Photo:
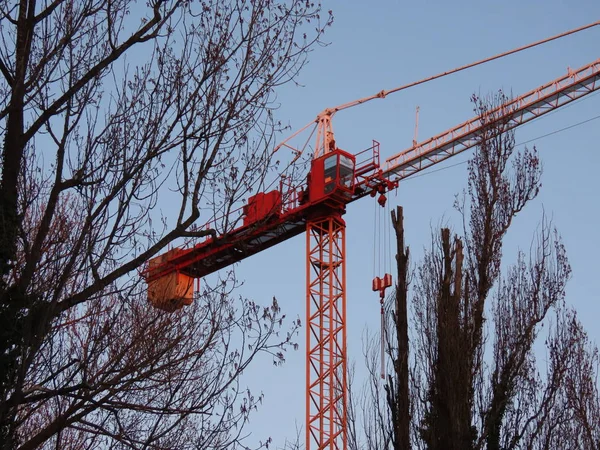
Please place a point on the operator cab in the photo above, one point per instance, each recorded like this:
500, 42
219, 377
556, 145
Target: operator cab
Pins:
332, 175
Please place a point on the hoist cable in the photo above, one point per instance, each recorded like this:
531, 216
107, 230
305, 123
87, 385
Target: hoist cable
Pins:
374, 240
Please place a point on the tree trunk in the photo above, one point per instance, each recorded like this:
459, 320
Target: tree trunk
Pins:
400, 408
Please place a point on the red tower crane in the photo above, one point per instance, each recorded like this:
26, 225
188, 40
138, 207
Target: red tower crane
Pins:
335, 179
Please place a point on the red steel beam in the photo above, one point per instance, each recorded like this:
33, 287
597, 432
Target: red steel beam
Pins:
326, 360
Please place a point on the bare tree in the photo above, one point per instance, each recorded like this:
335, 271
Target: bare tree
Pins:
464, 393
295, 443
124, 375
110, 112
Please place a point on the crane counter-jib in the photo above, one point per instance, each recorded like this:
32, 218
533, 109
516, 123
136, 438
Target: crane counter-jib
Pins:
217, 253
267, 221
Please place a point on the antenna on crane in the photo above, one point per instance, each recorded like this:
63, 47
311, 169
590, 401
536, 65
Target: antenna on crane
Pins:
416, 128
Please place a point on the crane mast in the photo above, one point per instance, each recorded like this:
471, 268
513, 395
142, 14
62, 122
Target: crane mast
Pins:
336, 178
326, 369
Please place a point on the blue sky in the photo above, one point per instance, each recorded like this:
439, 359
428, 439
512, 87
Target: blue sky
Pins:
383, 44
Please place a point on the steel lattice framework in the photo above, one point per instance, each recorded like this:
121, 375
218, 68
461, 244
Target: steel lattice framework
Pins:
542, 100
326, 382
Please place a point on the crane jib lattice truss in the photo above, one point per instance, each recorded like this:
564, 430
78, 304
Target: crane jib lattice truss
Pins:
522, 109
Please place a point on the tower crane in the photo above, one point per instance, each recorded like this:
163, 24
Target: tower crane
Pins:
335, 179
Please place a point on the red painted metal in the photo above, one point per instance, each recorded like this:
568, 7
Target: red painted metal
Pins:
326, 363
262, 206
172, 291
332, 177
381, 284
269, 218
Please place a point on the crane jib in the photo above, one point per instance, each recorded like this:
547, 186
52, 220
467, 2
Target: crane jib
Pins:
546, 98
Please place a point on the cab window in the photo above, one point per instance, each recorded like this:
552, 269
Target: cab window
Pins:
346, 171
330, 173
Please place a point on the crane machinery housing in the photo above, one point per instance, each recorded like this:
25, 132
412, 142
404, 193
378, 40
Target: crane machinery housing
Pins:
335, 179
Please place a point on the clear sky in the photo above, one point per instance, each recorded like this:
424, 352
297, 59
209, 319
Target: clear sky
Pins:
383, 44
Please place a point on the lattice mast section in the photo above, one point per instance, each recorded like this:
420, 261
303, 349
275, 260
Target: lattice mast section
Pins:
326, 365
